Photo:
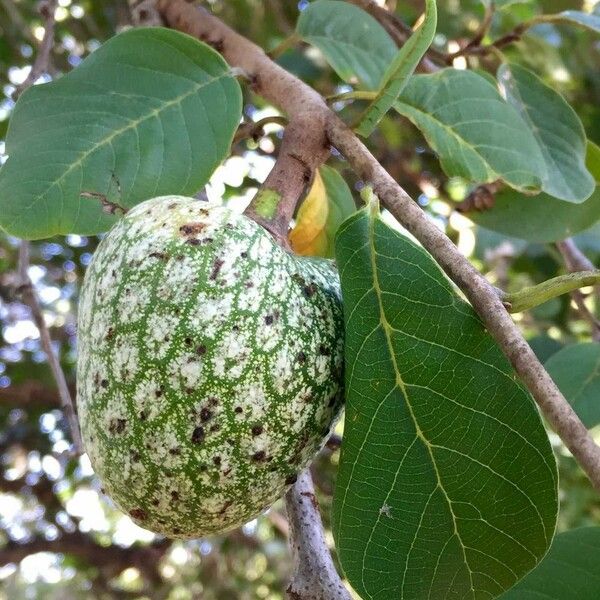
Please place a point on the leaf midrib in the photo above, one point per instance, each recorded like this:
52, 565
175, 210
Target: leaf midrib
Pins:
387, 329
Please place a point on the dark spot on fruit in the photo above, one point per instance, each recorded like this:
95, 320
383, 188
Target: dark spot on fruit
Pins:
104, 383
198, 435
244, 255
248, 284
159, 255
189, 390
205, 415
301, 357
200, 350
231, 442
175, 495
257, 430
217, 460
179, 257
167, 337
172, 205
110, 332
202, 467
193, 242
323, 350
117, 426
227, 471
259, 456
188, 340
155, 502
135, 456
102, 490
235, 328
175, 451
291, 479
213, 401
216, 427
159, 392
238, 409
143, 415
216, 268
309, 290
192, 228
176, 531
138, 513
225, 506
269, 320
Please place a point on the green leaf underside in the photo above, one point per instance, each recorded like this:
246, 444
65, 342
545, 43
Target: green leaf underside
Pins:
400, 70
341, 204
153, 111
475, 133
570, 570
352, 41
576, 371
576, 17
556, 127
447, 482
541, 218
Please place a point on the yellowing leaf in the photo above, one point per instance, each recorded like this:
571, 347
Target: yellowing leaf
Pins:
311, 219
327, 204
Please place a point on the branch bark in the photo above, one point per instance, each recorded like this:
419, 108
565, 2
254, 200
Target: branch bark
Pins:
293, 96
315, 576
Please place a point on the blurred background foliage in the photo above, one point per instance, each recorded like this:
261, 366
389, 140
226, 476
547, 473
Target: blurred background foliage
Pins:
59, 536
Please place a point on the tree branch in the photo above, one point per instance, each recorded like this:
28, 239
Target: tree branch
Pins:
576, 261
315, 576
293, 96
42, 60
30, 298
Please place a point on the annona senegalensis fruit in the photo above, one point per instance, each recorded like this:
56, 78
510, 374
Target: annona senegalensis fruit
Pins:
209, 368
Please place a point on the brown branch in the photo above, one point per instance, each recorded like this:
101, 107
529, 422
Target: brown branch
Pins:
576, 261
30, 298
42, 60
30, 393
315, 576
113, 558
294, 96
256, 129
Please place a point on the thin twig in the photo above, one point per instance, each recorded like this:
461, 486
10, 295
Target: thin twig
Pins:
255, 129
293, 96
315, 576
42, 60
575, 261
30, 298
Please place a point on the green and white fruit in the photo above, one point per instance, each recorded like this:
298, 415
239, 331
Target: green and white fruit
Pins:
210, 365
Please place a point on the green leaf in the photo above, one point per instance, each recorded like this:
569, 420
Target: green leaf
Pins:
151, 112
447, 483
352, 41
575, 17
540, 218
400, 71
592, 160
557, 129
576, 371
570, 571
475, 133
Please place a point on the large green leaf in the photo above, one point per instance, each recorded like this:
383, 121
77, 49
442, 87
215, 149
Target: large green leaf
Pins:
151, 112
400, 70
540, 218
557, 129
351, 40
476, 134
570, 571
447, 483
576, 371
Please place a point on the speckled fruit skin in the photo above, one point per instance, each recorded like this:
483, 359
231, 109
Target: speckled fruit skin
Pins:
209, 368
